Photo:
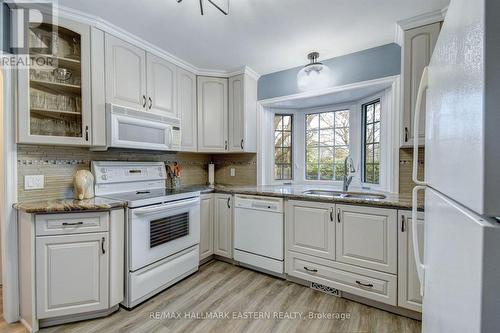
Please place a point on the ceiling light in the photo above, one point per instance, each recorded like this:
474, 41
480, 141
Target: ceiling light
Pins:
314, 75
215, 4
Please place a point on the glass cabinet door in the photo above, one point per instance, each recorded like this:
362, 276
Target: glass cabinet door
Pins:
57, 110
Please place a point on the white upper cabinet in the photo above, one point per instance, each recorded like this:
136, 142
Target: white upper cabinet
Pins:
242, 114
54, 94
186, 108
125, 73
417, 51
212, 114
161, 86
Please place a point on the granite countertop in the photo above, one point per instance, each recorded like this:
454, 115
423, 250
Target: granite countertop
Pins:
391, 200
69, 205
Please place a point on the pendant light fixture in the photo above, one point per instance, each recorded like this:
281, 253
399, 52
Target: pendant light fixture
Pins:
225, 12
314, 75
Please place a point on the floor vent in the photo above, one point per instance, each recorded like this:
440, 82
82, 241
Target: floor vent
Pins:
326, 289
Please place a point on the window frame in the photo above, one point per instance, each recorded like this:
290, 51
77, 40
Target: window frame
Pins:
292, 148
364, 145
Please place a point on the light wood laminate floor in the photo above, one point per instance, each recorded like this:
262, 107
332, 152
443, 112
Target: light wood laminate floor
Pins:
222, 288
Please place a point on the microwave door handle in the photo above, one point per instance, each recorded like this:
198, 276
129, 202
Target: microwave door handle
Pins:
424, 84
164, 207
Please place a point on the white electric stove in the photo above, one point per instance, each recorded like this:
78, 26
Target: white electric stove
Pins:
162, 228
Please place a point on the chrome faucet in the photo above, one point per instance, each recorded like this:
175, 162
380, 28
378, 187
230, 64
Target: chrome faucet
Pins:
347, 172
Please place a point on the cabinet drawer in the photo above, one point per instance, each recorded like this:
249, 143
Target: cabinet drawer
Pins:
374, 285
71, 223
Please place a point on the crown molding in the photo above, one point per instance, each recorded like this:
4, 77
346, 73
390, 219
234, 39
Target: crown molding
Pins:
423, 19
108, 27
417, 21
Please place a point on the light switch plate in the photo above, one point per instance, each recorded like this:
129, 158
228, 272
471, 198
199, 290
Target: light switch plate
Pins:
233, 172
34, 182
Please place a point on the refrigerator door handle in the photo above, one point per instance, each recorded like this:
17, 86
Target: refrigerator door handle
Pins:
416, 253
424, 83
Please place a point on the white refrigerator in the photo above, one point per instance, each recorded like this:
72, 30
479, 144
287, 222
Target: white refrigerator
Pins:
460, 271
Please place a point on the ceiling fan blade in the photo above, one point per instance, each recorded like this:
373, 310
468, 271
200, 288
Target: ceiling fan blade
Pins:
219, 8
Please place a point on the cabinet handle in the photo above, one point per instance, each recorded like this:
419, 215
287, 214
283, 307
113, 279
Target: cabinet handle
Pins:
228, 202
338, 215
86, 133
72, 223
310, 269
150, 103
144, 101
369, 285
102, 246
241, 144
406, 134
331, 214
403, 227
225, 145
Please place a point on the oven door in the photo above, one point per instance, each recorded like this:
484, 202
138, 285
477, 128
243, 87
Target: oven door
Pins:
159, 231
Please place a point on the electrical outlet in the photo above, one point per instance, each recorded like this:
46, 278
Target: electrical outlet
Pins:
34, 182
233, 172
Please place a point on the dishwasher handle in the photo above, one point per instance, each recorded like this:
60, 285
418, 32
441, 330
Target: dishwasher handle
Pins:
256, 203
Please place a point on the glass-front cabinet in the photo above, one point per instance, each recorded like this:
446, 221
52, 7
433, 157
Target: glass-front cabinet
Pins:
54, 93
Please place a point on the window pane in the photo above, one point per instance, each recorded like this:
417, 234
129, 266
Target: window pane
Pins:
369, 154
369, 114
287, 172
342, 118
377, 112
369, 133
277, 123
312, 121
278, 139
342, 136
369, 173
326, 155
287, 139
376, 153
327, 120
287, 123
339, 171
326, 171
278, 156
340, 154
376, 132
326, 137
287, 155
312, 138
277, 172
311, 171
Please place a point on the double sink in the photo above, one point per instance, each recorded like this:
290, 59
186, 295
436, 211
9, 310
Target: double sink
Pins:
341, 194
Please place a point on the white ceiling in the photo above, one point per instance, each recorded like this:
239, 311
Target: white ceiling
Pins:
266, 35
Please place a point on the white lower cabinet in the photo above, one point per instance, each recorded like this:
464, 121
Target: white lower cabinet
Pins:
408, 283
367, 237
71, 274
70, 266
206, 226
310, 228
223, 229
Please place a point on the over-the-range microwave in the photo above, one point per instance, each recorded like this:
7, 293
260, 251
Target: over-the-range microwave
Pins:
129, 128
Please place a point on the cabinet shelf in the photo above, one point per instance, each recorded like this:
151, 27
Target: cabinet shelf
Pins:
50, 111
56, 87
62, 62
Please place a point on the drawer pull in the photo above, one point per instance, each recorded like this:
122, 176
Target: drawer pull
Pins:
369, 285
310, 270
72, 223
102, 245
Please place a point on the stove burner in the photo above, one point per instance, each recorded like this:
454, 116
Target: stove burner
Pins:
142, 192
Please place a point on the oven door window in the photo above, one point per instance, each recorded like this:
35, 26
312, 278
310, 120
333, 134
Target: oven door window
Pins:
167, 229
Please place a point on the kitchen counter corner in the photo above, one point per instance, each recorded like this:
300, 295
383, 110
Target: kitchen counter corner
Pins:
68, 205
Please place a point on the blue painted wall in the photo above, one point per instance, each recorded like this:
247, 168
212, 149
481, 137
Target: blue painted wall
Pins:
360, 66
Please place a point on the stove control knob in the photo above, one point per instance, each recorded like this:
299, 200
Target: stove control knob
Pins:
103, 170
104, 177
